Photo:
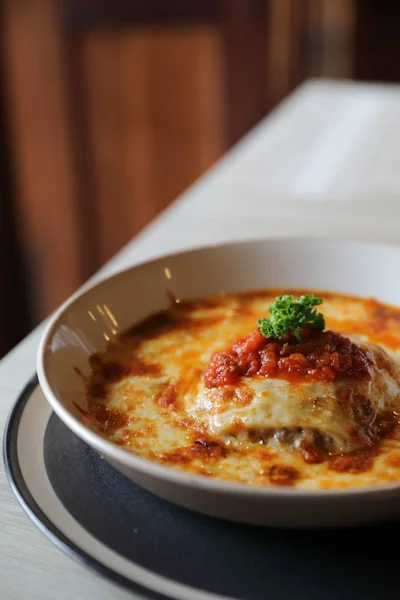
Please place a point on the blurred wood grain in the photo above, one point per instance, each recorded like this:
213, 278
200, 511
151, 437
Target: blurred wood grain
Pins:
152, 105
37, 102
115, 108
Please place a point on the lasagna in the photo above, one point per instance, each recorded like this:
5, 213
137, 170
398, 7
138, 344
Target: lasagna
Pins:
204, 388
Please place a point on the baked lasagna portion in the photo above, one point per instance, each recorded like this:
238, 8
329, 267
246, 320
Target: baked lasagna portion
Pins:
201, 388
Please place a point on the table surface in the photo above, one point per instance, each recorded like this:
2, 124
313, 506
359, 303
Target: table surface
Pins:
325, 163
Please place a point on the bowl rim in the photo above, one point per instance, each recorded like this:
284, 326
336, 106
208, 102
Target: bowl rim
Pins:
166, 473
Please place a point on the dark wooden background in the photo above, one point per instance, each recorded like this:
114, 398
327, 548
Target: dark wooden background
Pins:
110, 109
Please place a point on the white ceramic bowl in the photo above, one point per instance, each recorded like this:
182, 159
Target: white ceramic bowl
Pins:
89, 319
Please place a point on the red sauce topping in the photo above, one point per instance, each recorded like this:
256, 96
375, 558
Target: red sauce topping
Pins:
323, 356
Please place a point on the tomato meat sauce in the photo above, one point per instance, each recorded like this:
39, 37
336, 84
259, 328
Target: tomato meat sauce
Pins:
320, 356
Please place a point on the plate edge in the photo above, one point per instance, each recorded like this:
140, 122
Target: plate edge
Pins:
37, 516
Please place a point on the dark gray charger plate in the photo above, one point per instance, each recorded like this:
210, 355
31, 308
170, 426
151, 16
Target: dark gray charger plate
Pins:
206, 554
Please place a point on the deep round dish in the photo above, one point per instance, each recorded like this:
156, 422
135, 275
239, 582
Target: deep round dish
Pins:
120, 531
86, 322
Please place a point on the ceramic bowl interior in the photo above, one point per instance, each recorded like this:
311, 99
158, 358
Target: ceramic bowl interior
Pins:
90, 319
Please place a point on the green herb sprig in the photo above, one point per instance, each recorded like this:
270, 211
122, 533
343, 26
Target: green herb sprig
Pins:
290, 315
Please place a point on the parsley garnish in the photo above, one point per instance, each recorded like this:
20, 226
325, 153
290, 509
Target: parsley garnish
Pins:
290, 315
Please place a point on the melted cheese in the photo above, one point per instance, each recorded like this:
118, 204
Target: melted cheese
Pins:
146, 393
279, 405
